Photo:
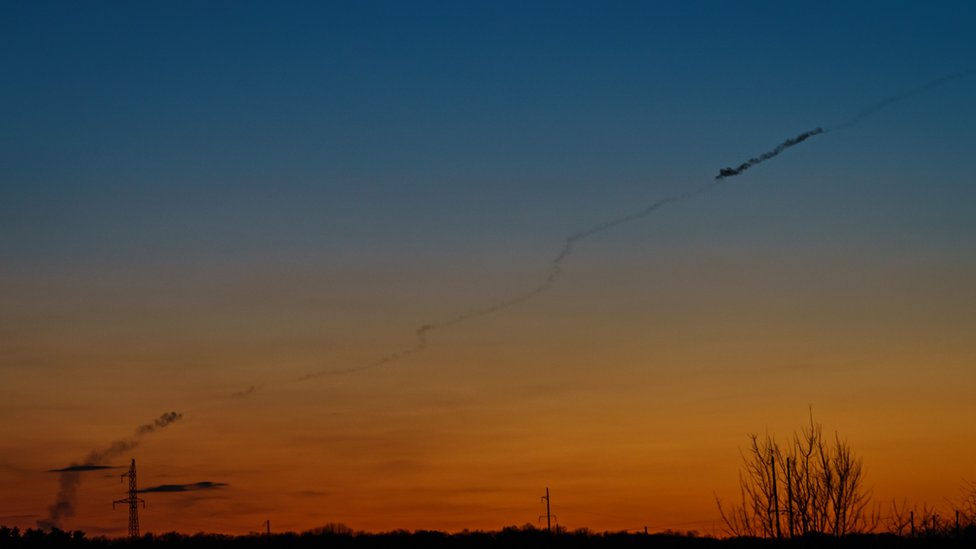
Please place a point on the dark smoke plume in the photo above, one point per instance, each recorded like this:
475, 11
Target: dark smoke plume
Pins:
729, 172
158, 423
205, 485
81, 468
70, 478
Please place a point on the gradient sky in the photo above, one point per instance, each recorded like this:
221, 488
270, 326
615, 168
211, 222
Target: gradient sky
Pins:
200, 198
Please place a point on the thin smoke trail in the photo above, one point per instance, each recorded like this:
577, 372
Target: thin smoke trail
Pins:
555, 272
869, 110
555, 265
70, 477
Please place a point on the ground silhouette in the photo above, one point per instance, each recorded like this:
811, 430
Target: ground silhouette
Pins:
508, 538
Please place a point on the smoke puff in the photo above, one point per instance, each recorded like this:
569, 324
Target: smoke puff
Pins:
159, 423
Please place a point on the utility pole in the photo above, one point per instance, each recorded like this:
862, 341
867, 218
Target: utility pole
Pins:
548, 512
789, 497
772, 468
133, 501
267, 536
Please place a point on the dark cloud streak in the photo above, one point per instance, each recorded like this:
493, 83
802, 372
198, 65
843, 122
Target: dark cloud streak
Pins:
204, 485
82, 468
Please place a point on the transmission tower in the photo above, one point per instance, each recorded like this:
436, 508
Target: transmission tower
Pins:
549, 516
133, 500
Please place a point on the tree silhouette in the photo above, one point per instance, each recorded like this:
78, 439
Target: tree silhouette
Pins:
814, 485
899, 519
968, 507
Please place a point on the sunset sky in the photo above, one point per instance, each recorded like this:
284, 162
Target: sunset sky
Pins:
201, 203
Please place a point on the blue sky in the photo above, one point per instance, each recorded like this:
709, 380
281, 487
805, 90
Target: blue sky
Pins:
119, 115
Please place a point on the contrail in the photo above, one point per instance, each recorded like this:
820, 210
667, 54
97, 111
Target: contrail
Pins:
555, 265
70, 477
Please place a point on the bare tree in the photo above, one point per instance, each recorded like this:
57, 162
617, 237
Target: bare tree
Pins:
967, 509
814, 485
899, 519
754, 516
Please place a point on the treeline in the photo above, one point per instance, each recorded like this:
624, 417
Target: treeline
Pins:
507, 538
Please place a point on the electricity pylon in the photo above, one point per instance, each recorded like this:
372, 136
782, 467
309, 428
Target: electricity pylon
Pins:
133, 500
549, 516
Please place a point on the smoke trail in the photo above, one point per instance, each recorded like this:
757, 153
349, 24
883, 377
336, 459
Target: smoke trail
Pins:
729, 172
555, 271
854, 120
70, 477
868, 111
158, 423
555, 265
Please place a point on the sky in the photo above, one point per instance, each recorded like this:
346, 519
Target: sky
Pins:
243, 212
